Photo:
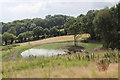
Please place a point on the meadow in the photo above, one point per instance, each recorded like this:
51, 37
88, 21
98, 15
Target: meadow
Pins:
82, 65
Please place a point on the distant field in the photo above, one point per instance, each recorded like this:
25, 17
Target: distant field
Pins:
53, 39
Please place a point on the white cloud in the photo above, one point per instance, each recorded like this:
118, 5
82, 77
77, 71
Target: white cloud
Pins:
59, 1
26, 8
20, 9
83, 0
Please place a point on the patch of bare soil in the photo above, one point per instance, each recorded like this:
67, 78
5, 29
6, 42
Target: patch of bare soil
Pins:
71, 48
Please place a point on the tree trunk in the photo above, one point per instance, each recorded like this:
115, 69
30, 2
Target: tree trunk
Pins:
93, 36
11, 42
75, 40
45, 36
5, 42
38, 37
21, 40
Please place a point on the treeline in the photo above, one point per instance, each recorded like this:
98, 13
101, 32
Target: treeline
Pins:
33, 29
103, 25
100, 24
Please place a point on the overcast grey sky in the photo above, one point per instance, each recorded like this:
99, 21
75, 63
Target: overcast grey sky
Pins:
20, 9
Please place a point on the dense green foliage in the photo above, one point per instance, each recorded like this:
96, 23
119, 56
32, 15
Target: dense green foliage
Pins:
107, 25
37, 28
38, 31
87, 23
25, 36
100, 24
8, 38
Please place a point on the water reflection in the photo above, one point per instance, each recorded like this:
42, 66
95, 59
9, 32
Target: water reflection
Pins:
41, 52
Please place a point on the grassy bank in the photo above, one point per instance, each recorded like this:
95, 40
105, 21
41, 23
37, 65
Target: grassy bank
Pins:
87, 46
14, 53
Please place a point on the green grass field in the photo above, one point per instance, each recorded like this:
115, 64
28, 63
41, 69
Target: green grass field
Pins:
87, 46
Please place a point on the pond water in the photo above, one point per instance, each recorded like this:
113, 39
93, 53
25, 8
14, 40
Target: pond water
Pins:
41, 52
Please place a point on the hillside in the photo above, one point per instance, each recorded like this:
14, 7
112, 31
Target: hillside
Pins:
52, 39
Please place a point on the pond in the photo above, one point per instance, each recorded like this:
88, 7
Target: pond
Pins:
41, 52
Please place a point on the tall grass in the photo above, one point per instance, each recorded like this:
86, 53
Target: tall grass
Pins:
29, 63
65, 61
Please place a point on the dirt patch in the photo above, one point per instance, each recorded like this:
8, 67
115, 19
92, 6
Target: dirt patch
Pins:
71, 48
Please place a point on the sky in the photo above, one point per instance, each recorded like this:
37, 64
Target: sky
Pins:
21, 9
